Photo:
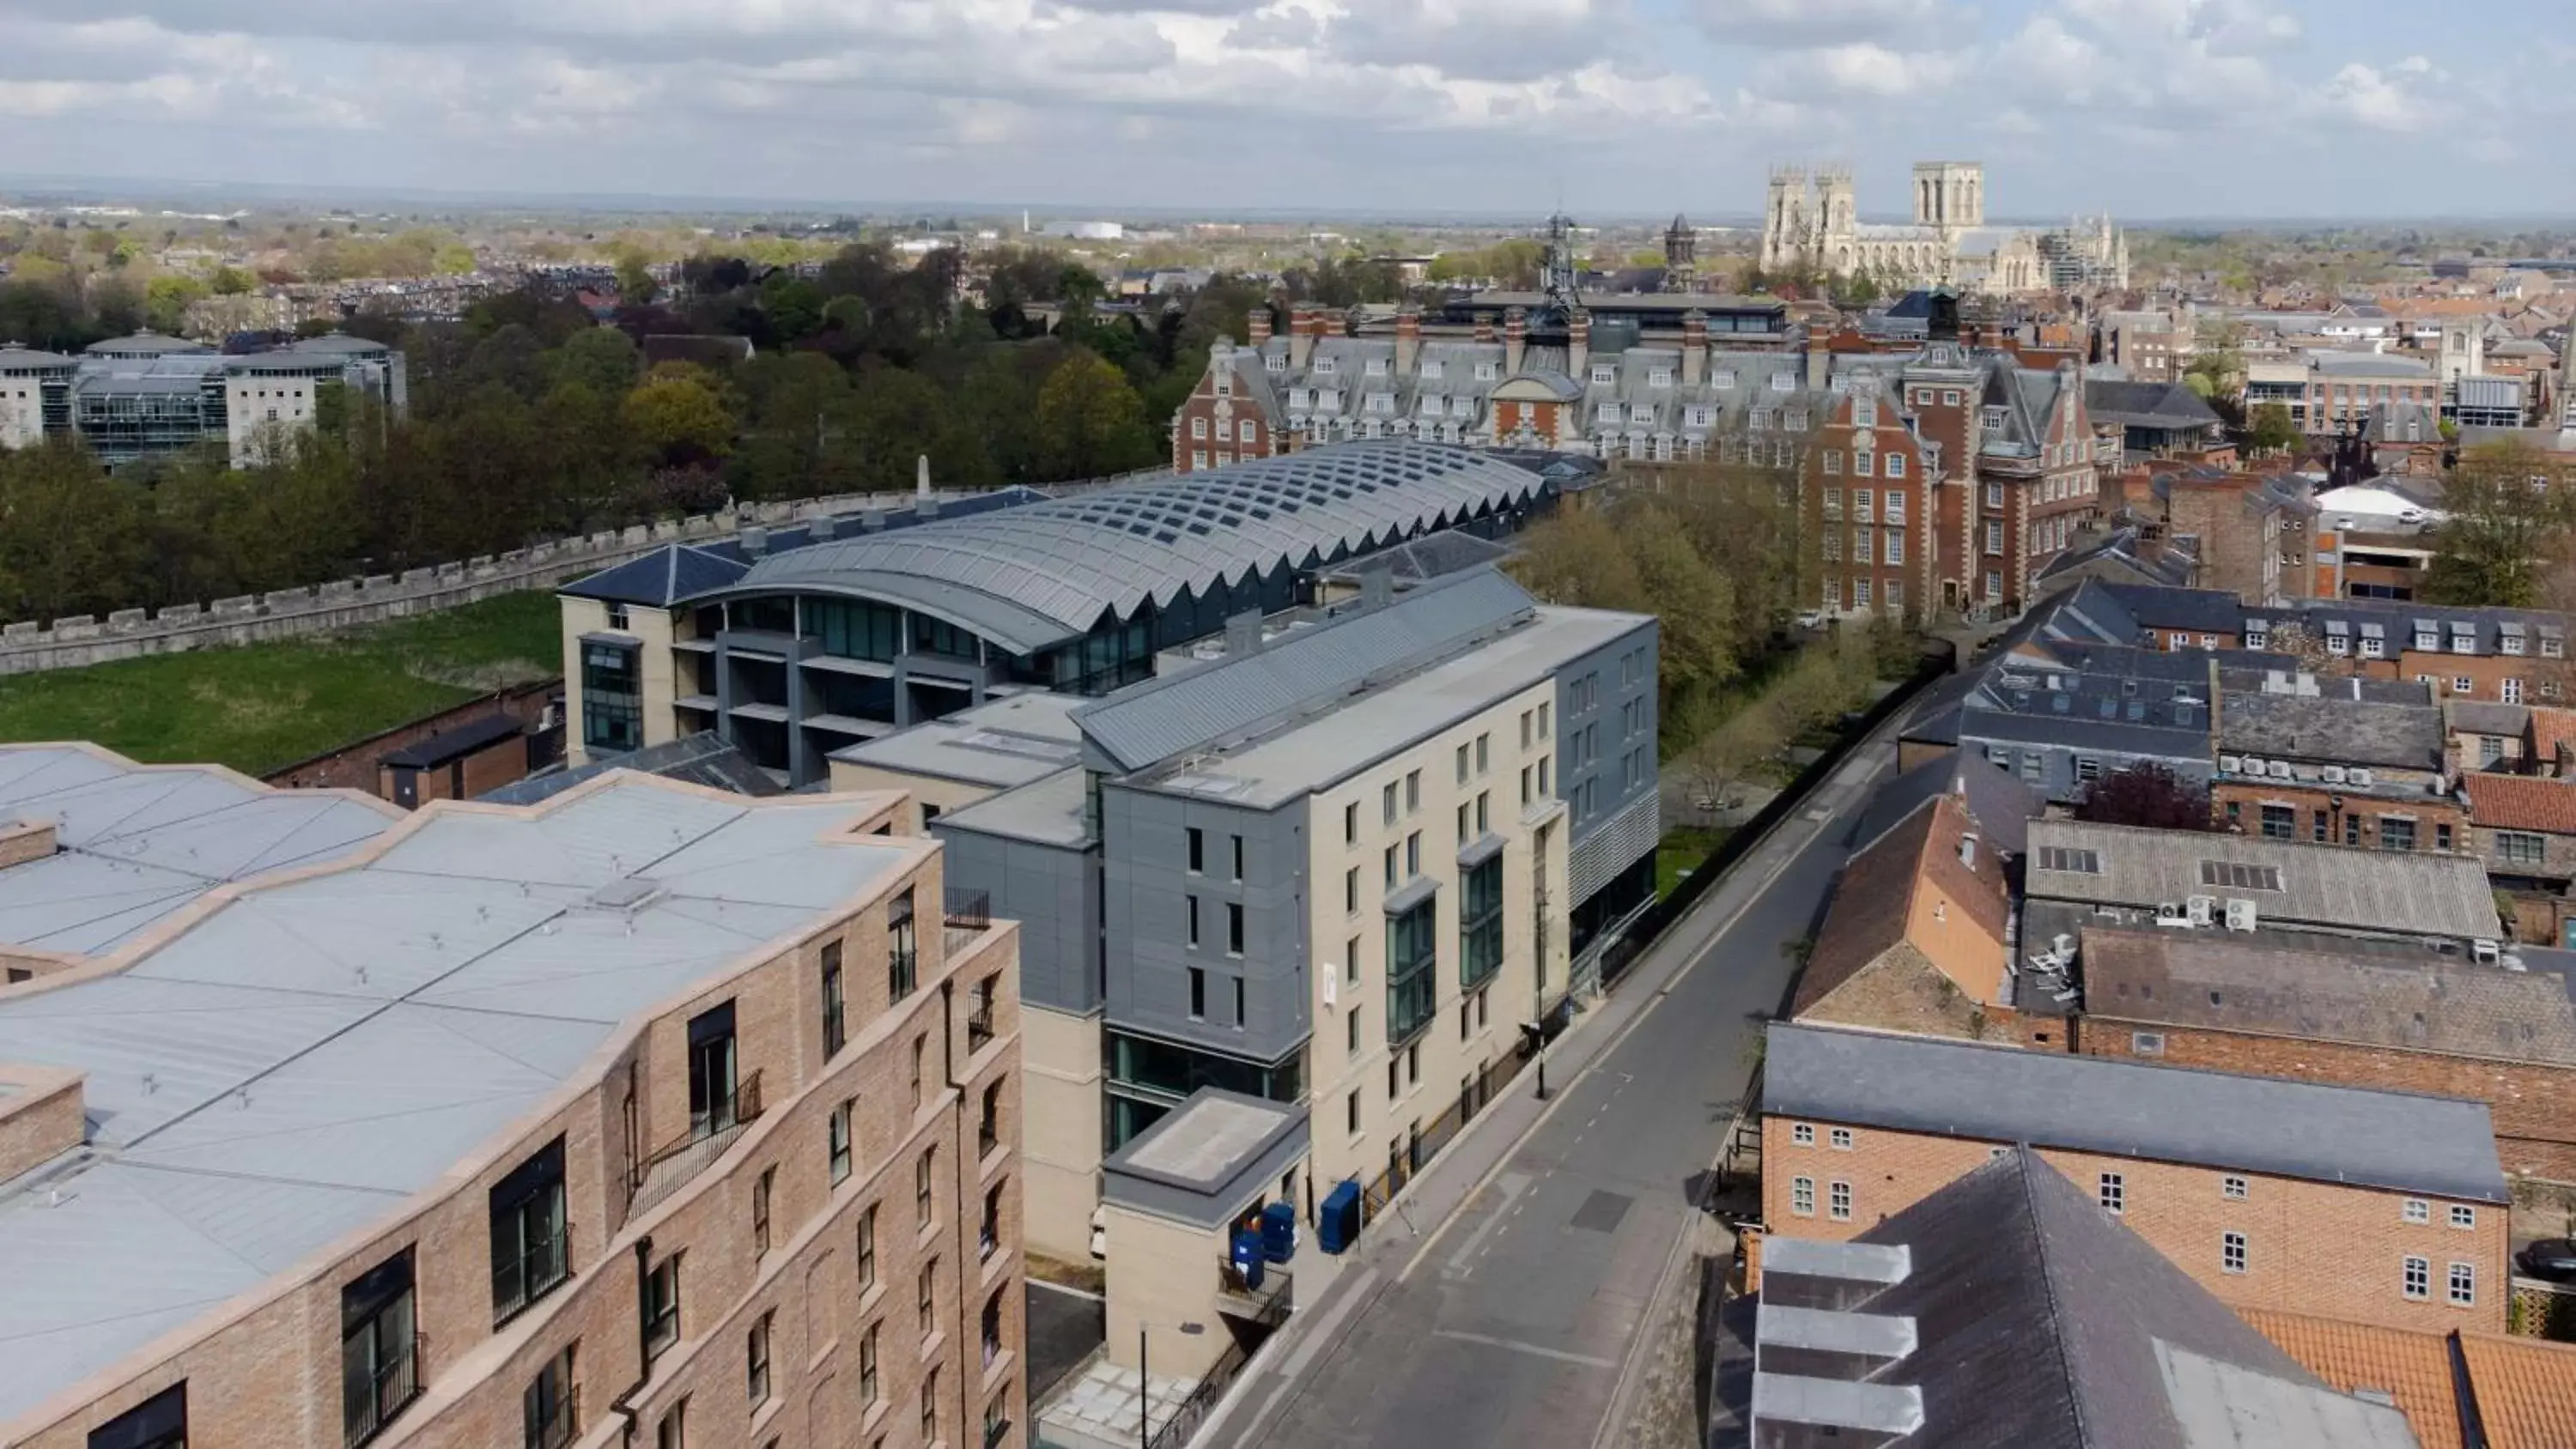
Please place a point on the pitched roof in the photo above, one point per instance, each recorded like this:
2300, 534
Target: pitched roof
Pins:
2324, 885
2521, 802
2551, 728
2526, 1390
2325, 726
2001, 805
2432, 1145
2233, 983
2411, 1366
1874, 905
2147, 405
2044, 1323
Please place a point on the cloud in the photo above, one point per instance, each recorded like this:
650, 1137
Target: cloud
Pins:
2375, 98
1867, 69
1804, 23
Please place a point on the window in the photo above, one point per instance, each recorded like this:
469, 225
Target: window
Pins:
2147, 1043
2464, 1285
840, 1144
2232, 1188
2113, 1191
920, 1058
2463, 685
900, 948
1895, 555
1238, 1003
756, 1355
1234, 928
1351, 823
2519, 847
1895, 469
661, 1306
867, 1267
1198, 428
2418, 1211
926, 1298
379, 1372
1190, 910
2463, 1216
835, 1030
531, 1241
1412, 987
612, 696
2441, 835
1413, 855
2280, 822
1351, 891
869, 1389
1841, 1138
930, 1407
2396, 832
1351, 1112
2231, 1252
1480, 924
551, 1406
1838, 1201
1198, 849
1802, 1196
762, 1188
1389, 802
921, 1183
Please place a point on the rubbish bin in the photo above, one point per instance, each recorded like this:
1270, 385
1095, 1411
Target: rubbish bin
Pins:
1337, 1223
1279, 1231
1247, 1257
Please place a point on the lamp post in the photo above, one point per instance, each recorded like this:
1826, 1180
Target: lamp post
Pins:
1145, 1382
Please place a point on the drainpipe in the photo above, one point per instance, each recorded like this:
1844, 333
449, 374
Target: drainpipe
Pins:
970, 1366
623, 1405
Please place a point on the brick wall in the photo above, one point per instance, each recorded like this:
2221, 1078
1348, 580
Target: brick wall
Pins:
2533, 1104
23, 841
353, 766
2311, 1247
2432, 814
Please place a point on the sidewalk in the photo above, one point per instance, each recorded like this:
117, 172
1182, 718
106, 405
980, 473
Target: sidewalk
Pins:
1451, 1180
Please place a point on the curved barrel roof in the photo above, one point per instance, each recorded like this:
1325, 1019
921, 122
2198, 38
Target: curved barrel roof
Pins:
1033, 576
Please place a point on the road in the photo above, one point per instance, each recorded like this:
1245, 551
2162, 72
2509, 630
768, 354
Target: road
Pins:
1509, 1321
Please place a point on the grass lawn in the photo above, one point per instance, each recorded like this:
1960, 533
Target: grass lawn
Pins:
263, 706
1681, 850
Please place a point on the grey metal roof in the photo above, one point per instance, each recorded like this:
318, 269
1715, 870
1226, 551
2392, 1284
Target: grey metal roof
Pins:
2411, 893
2393, 1140
1034, 576
241, 1076
136, 843
1002, 742
1224, 700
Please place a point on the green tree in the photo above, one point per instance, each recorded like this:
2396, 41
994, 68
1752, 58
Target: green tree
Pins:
71, 540
2506, 523
635, 284
2272, 429
166, 301
603, 359
680, 420
1090, 423
231, 282
898, 418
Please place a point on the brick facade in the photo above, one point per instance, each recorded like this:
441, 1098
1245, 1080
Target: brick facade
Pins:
2322, 815
2310, 1247
2534, 1103
1874, 516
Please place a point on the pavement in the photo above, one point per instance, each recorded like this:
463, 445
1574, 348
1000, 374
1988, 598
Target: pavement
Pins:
1065, 1326
1504, 1304
1100, 1409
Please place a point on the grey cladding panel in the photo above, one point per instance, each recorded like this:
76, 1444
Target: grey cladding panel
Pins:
1148, 888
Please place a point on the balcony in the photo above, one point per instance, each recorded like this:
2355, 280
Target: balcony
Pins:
1266, 1305
681, 1160
372, 1396
558, 1426
969, 914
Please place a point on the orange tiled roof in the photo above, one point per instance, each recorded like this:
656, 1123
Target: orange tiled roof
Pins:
2551, 728
2411, 1365
2522, 802
2526, 1390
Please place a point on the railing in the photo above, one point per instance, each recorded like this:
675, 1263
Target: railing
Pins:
1426, 1144
1192, 1412
541, 1271
389, 1390
560, 1426
979, 1019
996, 1430
1268, 1304
672, 1167
968, 915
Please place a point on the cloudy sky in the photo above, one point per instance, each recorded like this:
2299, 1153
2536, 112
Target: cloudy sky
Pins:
2157, 108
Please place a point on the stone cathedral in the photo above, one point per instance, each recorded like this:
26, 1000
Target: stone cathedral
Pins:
1813, 221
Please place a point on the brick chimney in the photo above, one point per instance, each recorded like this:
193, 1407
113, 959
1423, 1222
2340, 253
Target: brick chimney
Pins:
1515, 339
1819, 358
25, 840
1694, 347
1484, 326
1408, 340
1256, 324
1578, 344
1305, 324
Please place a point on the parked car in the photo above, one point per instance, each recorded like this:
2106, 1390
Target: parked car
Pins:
2553, 1259
1812, 619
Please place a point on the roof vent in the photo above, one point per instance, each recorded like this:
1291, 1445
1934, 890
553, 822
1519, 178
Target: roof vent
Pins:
626, 894
754, 540
820, 528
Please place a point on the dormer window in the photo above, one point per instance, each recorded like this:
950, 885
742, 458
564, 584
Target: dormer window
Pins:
1604, 374
1994, 418
1795, 420
1276, 362
1659, 377
1699, 417
1324, 366
1722, 381
1864, 412
1377, 367
1485, 371
1462, 406
1431, 370
1784, 382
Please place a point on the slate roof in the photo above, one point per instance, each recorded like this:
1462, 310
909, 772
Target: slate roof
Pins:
2043, 1323
2433, 1145
455, 744
2521, 802
2331, 728
2001, 805
2166, 405
2228, 982
1035, 576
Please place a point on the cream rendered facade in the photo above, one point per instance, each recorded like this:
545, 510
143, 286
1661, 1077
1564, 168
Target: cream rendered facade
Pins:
1061, 1094
654, 634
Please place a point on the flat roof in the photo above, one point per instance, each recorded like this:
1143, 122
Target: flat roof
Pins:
1312, 754
136, 843
241, 1075
2407, 892
1046, 811
2394, 1140
1001, 743
1207, 1158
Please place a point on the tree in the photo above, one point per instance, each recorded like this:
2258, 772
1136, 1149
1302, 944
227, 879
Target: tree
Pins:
680, 420
2272, 429
635, 284
231, 282
602, 359
167, 299
1090, 423
1715, 765
2506, 522
2147, 795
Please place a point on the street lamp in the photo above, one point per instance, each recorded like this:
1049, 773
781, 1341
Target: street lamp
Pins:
1145, 1382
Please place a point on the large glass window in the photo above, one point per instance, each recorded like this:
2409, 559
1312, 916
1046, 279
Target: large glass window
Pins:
902, 949
1148, 1077
938, 636
659, 1306
713, 1102
378, 1373
856, 629
1480, 924
1412, 987
552, 1404
159, 1422
531, 1241
612, 696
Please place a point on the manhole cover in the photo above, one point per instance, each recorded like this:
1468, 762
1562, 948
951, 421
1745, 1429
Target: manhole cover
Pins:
1601, 1212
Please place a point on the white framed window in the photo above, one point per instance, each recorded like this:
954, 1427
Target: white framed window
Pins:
2464, 1285
1198, 427
2509, 690
2141, 1043
1861, 465
1894, 502
2464, 1217
2463, 685
1784, 382
2112, 1189
1864, 412
1896, 465
1841, 1138
2417, 1279
1895, 555
1244, 431
1804, 1134
1838, 1206
2418, 1211
1802, 1196
2231, 1252
2233, 1188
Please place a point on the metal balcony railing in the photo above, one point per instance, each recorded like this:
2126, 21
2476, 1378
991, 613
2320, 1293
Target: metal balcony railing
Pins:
372, 1400
558, 1427
679, 1161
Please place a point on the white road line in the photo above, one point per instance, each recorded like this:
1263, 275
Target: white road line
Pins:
1560, 1355
1511, 1184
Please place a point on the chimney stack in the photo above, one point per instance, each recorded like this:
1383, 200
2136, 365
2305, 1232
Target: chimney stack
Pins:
1515, 339
1408, 340
1256, 323
1484, 326
754, 540
1819, 359
1578, 344
1694, 347
1304, 326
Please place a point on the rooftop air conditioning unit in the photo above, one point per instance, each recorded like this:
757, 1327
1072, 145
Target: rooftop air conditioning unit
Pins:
2334, 774
2253, 766
2240, 915
2170, 913
2358, 776
2280, 769
2229, 764
2203, 909
2485, 952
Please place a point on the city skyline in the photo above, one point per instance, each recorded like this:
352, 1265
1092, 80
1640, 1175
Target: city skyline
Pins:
2201, 109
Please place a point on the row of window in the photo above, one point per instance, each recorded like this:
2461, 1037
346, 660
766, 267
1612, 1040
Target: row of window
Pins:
1865, 464
1245, 431
1864, 546
1890, 594
2393, 832
1864, 502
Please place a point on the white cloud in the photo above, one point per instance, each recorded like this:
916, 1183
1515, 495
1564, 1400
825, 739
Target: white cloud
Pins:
1866, 69
1804, 23
2375, 98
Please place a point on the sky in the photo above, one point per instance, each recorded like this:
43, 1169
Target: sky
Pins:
2146, 108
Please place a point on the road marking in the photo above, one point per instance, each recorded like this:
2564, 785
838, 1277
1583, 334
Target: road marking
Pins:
1292, 1370
1512, 1185
1560, 1355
